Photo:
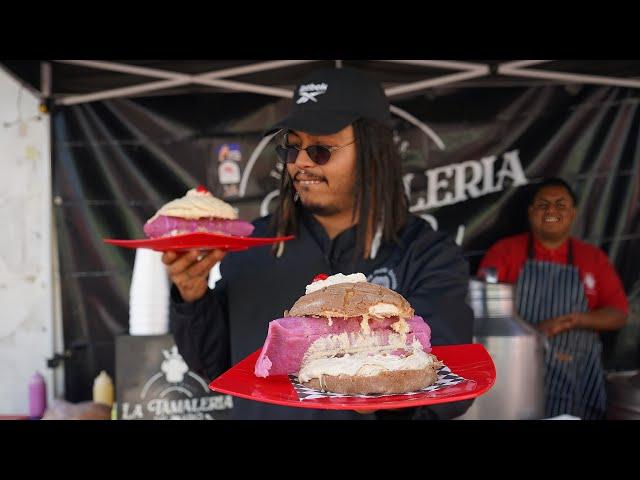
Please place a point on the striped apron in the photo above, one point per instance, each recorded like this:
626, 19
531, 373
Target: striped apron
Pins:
574, 376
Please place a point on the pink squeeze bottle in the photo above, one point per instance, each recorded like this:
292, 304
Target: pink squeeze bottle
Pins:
37, 396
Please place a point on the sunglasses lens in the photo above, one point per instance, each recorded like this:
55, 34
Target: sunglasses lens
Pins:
319, 154
287, 154
292, 154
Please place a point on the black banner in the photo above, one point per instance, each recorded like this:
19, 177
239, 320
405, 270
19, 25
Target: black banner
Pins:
469, 154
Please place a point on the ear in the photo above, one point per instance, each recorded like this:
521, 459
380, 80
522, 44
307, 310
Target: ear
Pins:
530, 210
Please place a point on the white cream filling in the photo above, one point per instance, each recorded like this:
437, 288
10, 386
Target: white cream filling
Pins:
355, 342
334, 280
364, 325
196, 205
384, 310
364, 364
401, 326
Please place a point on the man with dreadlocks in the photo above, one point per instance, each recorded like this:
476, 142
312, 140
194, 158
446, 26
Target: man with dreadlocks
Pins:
342, 197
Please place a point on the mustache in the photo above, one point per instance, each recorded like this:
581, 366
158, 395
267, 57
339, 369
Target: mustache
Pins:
307, 176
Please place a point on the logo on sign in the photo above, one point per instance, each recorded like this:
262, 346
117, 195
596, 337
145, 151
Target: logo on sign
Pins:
175, 393
174, 367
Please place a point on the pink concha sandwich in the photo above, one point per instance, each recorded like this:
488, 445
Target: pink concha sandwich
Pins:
346, 335
197, 211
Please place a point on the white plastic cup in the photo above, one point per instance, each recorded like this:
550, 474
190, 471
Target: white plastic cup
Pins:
149, 295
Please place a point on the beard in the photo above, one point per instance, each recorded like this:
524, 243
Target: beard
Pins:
312, 205
320, 210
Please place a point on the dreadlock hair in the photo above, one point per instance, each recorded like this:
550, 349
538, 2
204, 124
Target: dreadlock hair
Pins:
380, 204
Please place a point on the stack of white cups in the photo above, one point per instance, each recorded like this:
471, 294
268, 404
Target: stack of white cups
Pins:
149, 295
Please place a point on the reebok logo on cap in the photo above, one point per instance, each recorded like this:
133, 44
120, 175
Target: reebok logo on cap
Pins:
310, 92
319, 110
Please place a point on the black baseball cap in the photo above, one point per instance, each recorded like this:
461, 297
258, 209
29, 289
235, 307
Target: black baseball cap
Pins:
329, 99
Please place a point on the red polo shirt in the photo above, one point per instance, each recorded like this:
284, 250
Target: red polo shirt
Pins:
599, 279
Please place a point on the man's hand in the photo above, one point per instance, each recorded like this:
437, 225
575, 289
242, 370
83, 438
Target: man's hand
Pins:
190, 274
556, 325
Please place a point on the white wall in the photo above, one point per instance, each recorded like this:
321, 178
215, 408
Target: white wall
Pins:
26, 311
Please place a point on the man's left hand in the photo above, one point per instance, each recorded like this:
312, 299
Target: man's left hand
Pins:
556, 325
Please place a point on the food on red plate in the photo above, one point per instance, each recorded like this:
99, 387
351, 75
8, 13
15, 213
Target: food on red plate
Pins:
346, 335
197, 211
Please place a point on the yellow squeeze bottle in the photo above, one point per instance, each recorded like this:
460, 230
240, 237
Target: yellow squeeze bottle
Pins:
103, 389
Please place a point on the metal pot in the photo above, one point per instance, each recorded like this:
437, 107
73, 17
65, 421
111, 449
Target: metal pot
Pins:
491, 299
623, 395
517, 350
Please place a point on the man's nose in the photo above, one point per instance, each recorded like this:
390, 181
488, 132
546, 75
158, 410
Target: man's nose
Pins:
551, 209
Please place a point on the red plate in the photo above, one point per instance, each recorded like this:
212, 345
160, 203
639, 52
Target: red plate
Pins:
198, 240
470, 361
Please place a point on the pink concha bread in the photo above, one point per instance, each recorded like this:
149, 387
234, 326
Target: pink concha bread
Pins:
163, 226
288, 339
197, 211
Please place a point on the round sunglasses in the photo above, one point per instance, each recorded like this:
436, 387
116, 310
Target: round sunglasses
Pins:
319, 154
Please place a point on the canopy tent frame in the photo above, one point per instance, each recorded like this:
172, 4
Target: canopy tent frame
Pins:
222, 78
219, 78
518, 69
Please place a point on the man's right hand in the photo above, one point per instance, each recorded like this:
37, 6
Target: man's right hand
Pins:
190, 274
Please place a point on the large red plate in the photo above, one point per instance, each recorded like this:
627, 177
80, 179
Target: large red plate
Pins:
198, 240
470, 361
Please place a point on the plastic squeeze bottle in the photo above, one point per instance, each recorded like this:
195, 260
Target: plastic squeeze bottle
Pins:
103, 389
37, 396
